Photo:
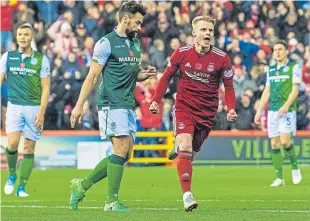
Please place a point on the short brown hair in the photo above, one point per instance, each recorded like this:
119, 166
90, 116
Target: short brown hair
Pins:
281, 42
203, 18
26, 25
130, 8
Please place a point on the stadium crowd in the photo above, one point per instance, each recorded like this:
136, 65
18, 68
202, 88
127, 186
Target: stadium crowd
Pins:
66, 32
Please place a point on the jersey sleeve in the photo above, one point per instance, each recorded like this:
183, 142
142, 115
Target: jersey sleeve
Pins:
227, 75
45, 69
102, 51
297, 74
172, 67
3, 61
267, 78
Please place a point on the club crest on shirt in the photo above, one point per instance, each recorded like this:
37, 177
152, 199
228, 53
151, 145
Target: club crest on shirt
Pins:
198, 66
113, 126
181, 125
34, 61
286, 69
210, 67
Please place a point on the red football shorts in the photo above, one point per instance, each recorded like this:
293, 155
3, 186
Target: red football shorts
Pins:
183, 122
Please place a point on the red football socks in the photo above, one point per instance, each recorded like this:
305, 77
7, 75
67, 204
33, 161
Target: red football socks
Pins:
184, 166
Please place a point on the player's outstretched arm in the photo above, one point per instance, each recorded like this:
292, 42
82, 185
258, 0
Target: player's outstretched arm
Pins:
146, 73
92, 76
171, 69
263, 100
230, 97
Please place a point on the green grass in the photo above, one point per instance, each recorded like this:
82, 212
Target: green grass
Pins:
224, 193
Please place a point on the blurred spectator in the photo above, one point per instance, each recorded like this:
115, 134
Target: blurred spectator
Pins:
48, 11
61, 33
157, 55
6, 25
249, 48
22, 15
245, 110
90, 21
242, 82
221, 122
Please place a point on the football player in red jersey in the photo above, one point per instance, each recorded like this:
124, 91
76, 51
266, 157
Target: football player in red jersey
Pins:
202, 67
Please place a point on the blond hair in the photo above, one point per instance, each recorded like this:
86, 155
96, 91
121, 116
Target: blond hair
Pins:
203, 18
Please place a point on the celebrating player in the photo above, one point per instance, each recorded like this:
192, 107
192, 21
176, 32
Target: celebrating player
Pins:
27, 73
282, 87
202, 67
118, 57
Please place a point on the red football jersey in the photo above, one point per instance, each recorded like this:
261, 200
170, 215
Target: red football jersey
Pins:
198, 85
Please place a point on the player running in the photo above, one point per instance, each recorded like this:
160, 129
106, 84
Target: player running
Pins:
202, 67
282, 88
118, 57
28, 78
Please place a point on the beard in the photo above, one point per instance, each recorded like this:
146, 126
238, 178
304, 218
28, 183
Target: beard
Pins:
131, 34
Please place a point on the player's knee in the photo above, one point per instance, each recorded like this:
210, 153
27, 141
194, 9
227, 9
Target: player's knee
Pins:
13, 144
275, 144
185, 146
121, 145
29, 147
285, 143
29, 150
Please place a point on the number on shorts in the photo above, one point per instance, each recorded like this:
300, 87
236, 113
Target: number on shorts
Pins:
288, 121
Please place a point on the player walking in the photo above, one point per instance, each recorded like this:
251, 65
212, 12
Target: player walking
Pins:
27, 73
202, 67
282, 88
118, 57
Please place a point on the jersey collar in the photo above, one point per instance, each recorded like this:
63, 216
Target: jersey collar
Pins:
278, 67
32, 54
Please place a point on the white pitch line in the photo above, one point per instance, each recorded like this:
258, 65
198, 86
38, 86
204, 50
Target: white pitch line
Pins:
152, 200
155, 209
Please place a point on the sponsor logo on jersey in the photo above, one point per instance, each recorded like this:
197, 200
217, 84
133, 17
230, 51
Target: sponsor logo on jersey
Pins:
119, 46
188, 65
22, 70
198, 66
181, 125
228, 73
272, 69
198, 76
210, 67
286, 69
279, 78
34, 61
129, 59
13, 58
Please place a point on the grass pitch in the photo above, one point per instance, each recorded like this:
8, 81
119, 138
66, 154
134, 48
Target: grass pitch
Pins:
224, 193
